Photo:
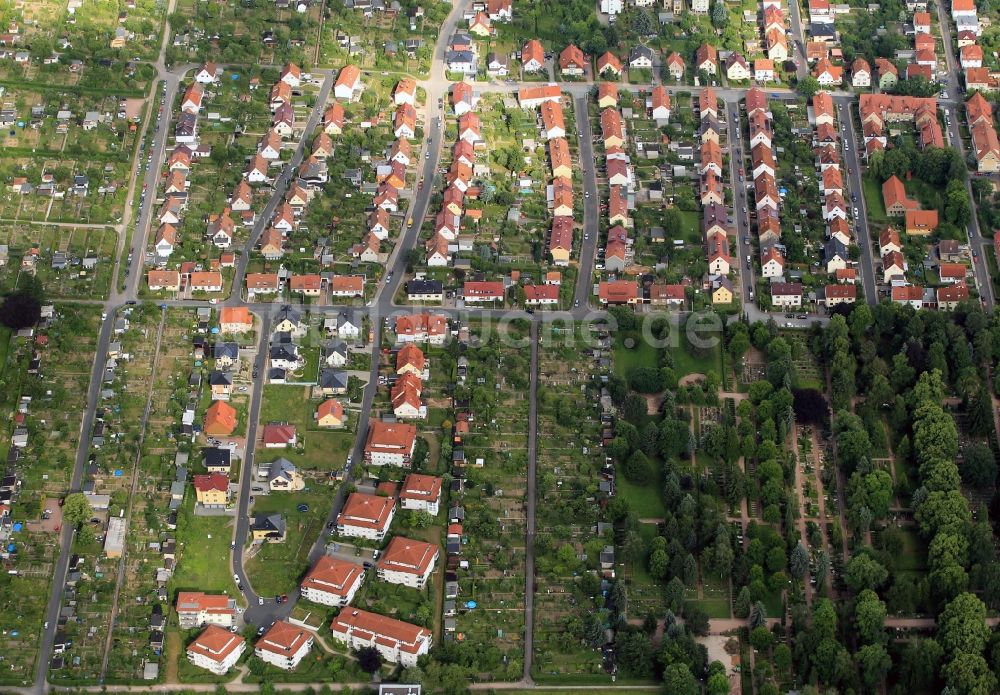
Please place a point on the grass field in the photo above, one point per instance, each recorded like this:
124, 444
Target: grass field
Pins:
642, 354
873, 201
686, 363
914, 555
714, 607
645, 500
203, 557
277, 567
5, 334
323, 450
690, 227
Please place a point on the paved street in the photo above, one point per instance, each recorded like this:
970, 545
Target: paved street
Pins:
852, 164
977, 244
591, 203
247, 465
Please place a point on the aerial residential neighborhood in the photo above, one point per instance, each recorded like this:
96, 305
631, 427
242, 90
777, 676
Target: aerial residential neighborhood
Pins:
496, 345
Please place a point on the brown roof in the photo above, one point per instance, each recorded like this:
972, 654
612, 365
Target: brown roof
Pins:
215, 643
953, 293
211, 481
618, 291
388, 437
200, 602
163, 278
706, 52
952, 270
206, 279
786, 289
571, 56
348, 76
300, 283
407, 556
334, 114
421, 487
559, 153
262, 280
278, 434
533, 51
977, 108
410, 356
893, 192
283, 639
387, 630
756, 100
841, 291
907, 293
609, 60
332, 575
552, 116
220, 417
921, 218
347, 283
889, 236
561, 234
366, 511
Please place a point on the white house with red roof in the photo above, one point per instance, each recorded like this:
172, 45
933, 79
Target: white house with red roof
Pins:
366, 516
284, 645
397, 642
421, 493
196, 608
332, 582
216, 650
407, 562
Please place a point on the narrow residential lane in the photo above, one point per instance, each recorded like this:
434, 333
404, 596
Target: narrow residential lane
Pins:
977, 244
591, 211
852, 163
244, 508
281, 181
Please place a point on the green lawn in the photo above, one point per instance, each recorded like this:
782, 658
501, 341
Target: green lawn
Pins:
277, 567
686, 363
642, 354
714, 607
690, 227
914, 555
323, 450
203, 551
5, 334
645, 500
873, 200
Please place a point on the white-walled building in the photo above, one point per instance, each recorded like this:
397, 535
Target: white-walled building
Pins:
332, 582
284, 645
407, 562
397, 642
421, 493
366, 516
216, 650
